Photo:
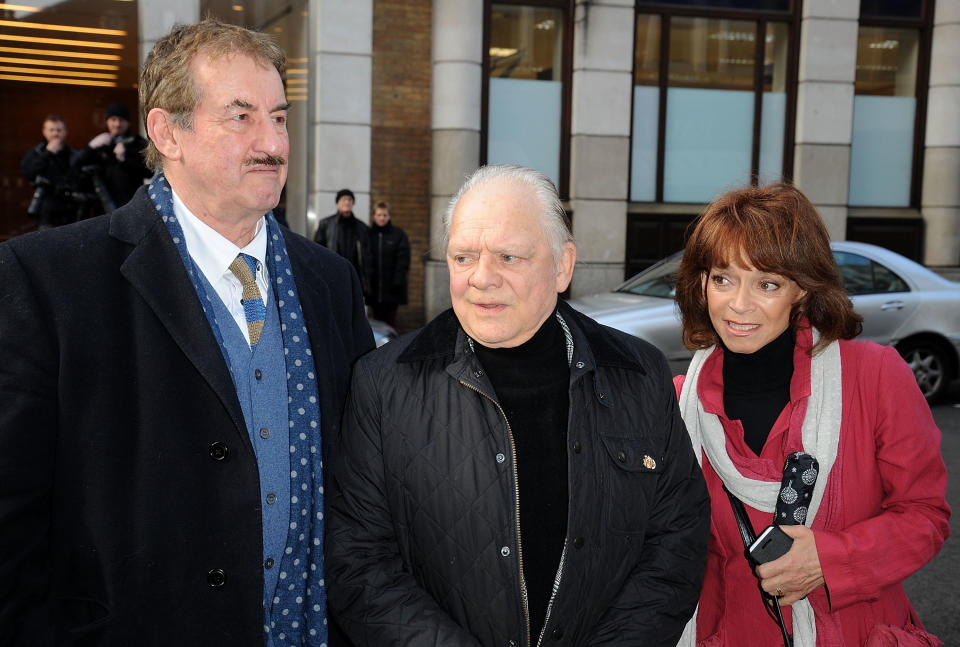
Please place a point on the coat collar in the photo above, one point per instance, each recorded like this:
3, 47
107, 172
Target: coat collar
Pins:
155, 270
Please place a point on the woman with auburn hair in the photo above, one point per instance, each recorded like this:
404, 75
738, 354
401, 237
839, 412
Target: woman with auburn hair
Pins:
777, 382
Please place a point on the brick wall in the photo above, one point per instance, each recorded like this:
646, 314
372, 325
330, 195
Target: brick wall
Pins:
400, 141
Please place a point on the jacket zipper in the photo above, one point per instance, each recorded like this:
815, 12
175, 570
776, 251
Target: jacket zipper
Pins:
563, 558
553, 594
516, 491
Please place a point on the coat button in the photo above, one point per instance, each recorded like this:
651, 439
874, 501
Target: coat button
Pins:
505, 551
268, 563
271, 498
577, 447
258, 374
478, 374
218, 451
557, 633
578, 542
264, 433
579, 365
501, 458
216, 577
622, 457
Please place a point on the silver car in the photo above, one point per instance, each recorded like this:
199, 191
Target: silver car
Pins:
903, 304
382, 332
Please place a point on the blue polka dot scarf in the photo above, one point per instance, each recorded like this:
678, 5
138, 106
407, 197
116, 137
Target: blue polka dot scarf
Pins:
299, 612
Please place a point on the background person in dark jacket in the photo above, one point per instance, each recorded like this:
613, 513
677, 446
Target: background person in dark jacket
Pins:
389, 264
514, 471
116, 156
48, 166
346, 235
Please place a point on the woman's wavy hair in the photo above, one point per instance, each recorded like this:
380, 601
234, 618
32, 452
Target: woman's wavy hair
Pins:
772, 229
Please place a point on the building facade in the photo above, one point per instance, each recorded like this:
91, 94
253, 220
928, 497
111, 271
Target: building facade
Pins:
641, 112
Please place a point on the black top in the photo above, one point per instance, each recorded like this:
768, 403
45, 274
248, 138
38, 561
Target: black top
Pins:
532, 385
756, 387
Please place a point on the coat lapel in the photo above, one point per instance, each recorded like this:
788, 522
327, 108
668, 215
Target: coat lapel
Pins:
155, 270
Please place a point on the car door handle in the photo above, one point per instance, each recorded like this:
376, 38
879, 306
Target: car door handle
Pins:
892, 305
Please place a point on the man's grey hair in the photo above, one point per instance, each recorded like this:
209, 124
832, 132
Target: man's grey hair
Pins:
555, 221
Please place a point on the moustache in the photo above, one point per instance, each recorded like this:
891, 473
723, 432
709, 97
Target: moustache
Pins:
266, 160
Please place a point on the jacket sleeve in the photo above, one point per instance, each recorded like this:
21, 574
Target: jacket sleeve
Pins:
371, 593
35, 163
864, 558
403, 261
320, 236
28, 428
659, 596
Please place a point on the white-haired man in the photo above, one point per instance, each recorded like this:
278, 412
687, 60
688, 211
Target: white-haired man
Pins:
514, 472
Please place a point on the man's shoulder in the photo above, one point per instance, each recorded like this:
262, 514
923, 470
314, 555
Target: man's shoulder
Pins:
612, 347
435, 341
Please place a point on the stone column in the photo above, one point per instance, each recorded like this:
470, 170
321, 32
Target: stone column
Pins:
455, 126
940, 199
600, 140
343, 61
824, 131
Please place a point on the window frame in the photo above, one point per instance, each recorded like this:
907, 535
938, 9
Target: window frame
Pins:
566, 79
924, 25
760, 18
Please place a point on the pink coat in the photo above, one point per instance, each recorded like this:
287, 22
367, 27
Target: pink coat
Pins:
883, 515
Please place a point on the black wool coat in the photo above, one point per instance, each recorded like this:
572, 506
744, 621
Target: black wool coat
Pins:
389, 264
127, 477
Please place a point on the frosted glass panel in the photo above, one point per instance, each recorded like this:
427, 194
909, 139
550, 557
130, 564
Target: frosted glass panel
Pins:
707, 144
643, 154
524, 124
882, 151
771, 137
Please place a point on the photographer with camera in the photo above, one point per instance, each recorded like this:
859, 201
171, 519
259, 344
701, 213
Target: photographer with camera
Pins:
114, 161
49, 167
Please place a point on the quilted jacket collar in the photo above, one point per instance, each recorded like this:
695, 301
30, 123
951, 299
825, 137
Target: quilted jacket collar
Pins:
593, 344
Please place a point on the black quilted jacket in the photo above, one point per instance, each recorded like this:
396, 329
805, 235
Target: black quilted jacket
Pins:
423, 539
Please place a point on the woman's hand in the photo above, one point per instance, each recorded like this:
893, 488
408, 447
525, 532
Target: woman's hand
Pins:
797, 573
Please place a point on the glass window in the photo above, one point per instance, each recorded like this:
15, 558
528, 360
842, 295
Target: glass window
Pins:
70, 59
764, 5
890, 8
646, 109
709, 121
525, 92
774, 111
863, 276
658, 281
884, 112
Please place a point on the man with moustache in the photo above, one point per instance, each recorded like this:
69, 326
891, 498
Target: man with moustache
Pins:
173, 378
514, 473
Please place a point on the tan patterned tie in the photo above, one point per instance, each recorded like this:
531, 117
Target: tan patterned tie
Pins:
244, 267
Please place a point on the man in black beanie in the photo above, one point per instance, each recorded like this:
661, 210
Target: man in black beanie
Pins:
116, 158
346, 235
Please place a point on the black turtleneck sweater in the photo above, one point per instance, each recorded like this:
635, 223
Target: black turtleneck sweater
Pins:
756, 387
532, 385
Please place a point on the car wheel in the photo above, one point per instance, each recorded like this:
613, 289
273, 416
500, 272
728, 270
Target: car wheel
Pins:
929, 365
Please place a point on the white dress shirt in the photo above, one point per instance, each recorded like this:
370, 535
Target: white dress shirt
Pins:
213, 255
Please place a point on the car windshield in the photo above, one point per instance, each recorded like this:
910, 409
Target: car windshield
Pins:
659, 280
